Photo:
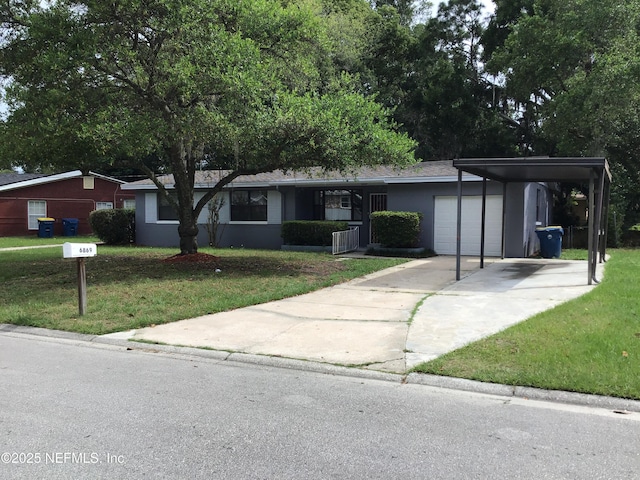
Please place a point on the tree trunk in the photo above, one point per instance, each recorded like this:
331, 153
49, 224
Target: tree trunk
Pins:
183, 161
188, 237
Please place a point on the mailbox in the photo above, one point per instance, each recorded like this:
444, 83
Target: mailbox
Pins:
79, 250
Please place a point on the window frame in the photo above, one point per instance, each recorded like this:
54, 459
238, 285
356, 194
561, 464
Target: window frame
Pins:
129, 202
164, 210
346, 201
35, 216
251, 211
104, 205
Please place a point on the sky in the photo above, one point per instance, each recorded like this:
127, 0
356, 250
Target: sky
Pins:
489, 6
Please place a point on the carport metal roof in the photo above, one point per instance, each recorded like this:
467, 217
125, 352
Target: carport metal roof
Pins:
594, 170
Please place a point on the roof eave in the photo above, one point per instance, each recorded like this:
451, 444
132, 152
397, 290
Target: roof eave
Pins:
40, 181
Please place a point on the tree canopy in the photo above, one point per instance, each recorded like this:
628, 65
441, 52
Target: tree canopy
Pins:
572, 68
245, 85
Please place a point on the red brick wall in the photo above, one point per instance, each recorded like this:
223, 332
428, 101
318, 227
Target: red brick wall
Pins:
65, 199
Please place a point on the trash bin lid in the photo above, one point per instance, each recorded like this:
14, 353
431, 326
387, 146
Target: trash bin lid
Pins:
46, 219
549, 229
70, 220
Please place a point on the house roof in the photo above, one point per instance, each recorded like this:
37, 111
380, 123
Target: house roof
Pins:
14, 181
438, 171
15, 177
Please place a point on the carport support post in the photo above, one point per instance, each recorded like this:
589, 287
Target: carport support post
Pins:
503, 245
459, 225
82, 286
599, 234
605, 218
591, 213
484, 216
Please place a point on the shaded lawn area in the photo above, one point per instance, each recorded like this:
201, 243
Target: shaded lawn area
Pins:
129, 287
590, 344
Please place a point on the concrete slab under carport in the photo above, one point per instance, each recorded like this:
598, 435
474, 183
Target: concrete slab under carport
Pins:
492, 299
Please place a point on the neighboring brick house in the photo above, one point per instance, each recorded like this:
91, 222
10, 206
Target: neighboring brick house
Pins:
26, 197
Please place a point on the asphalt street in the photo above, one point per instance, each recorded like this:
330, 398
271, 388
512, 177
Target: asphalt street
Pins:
76, 409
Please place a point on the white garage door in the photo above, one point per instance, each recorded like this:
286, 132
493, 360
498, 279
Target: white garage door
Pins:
445, 224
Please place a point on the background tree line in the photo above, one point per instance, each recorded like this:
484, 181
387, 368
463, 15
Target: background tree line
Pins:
537, 77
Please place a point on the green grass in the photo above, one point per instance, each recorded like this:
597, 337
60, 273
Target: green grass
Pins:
590, 344
574, 254
129, 287
35, 241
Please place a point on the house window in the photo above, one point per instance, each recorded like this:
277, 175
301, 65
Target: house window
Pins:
338, 205
129, 203
166, 211
35, 209
103, 205
249, 206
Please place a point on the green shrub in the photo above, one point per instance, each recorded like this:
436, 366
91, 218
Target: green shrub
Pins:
114, 226
315, 233
396, 229
631, 238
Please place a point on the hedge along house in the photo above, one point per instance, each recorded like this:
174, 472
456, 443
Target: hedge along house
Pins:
254, 207
26, 197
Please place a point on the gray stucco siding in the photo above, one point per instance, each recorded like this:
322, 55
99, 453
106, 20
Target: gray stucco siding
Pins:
150, 232
514, 220
420, 197
249, 236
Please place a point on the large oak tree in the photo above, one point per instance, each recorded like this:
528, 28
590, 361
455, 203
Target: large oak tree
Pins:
245, 86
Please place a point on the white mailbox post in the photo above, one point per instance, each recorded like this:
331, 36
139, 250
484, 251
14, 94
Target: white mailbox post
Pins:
80, 251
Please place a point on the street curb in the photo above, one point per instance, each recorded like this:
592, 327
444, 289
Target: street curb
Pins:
618, 405
247, 358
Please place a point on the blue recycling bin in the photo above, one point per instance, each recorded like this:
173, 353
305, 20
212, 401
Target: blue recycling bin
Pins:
70, 227
45, 227
550, 241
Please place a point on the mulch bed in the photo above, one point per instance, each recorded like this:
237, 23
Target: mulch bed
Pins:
201, 258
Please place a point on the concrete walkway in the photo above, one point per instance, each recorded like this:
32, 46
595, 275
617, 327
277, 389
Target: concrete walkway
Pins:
12, 249
388, 321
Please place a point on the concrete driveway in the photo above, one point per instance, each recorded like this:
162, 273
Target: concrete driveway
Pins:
390, 320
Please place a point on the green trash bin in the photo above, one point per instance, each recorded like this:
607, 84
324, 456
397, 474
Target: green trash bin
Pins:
45, 227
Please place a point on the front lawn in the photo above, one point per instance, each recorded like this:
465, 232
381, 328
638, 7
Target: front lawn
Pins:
129, 287
590, 344
35, 241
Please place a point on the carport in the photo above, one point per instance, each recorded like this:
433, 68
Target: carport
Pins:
595, 171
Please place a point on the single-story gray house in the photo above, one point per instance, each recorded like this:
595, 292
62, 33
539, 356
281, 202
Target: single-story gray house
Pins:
254, 207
